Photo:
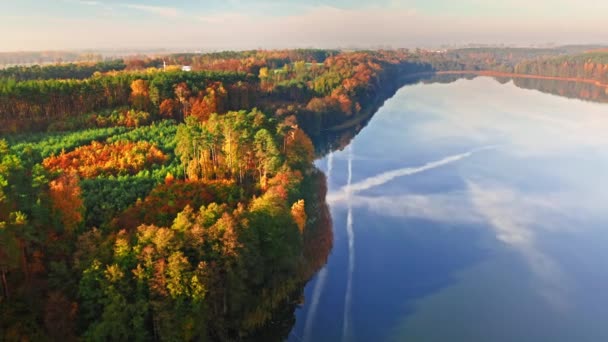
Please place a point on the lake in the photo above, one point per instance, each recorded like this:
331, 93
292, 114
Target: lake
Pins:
468, 211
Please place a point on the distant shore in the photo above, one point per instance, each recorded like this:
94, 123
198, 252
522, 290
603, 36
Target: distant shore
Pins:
358, 119
514, 75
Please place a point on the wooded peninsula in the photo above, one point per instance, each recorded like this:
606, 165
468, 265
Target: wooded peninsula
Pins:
175, 198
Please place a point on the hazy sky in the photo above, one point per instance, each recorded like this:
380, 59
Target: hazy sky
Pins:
229, 24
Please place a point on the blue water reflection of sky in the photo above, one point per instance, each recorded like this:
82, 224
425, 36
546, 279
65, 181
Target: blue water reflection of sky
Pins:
479, 214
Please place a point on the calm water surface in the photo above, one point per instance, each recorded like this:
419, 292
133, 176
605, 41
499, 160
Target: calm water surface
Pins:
470, 211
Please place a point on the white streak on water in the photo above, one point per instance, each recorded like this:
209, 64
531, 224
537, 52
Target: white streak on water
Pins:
346, 192
351, 251
314, 304
330, 168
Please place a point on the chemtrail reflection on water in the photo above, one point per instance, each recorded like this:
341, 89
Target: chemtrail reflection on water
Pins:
314, 304
383, 178
330, 168
478, 204
351, 250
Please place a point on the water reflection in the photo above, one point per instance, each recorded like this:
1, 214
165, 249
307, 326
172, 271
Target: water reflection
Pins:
322, 276
545, 125
336, 140
512, 217
385, 177
508, 213
479, 208
572, 90
278, 304
333, 139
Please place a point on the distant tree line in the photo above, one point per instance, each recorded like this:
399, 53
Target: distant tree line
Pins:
77, 71
44, 57
592, 66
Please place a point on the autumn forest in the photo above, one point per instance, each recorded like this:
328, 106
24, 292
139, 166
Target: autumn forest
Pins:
142, 202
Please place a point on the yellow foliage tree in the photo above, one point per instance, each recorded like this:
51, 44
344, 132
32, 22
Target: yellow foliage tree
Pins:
298, 213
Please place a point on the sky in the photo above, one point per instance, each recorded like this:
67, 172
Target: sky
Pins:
245, 24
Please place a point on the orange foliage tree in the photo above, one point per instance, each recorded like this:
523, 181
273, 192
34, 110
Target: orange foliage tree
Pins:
66, 198
169, 108
123, 157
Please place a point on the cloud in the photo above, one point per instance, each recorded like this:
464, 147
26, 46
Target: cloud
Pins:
223, 18
170, 12
305, 26
453, 208
86, 3
285, 24
89, 3
513, 215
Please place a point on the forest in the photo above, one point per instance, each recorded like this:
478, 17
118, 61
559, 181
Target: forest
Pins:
142, 202
145, 203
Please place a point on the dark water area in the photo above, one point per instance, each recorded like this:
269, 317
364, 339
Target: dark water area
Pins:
466, 210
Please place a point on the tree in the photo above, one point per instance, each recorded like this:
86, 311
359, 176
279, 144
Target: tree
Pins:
267, 155
60, 316
182, 92
66, 199
140, 95
298, 212
263, 73
168, 109
299, 150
